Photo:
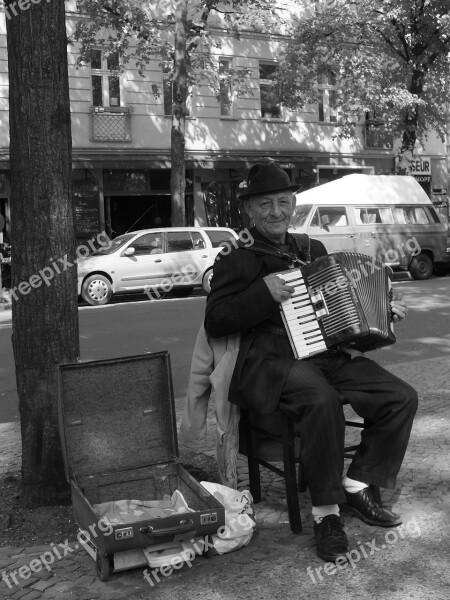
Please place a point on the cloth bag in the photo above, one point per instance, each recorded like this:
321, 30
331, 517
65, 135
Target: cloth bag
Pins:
240, 520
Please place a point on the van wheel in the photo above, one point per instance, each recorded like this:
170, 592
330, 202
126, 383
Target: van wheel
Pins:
103, 564
421, 267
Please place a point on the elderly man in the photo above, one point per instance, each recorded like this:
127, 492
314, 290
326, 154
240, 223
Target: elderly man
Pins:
245, 298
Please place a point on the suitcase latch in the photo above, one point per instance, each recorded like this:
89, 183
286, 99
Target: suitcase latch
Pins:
123, 534
208, 518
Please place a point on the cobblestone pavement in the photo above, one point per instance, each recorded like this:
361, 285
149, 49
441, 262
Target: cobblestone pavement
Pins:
402, 564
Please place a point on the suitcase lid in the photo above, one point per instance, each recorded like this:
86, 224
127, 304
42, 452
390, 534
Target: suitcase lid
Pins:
116, 414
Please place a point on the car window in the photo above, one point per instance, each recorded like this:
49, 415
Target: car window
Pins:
197, 240
116, 244
367, 215
218, 236
333, 216
179, 241
149, 243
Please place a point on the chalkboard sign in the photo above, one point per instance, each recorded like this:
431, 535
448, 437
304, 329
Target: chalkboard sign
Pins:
87, 221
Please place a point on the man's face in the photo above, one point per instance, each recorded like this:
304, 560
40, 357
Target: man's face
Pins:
271, 213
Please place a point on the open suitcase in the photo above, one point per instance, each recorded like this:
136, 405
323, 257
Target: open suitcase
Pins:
118, 435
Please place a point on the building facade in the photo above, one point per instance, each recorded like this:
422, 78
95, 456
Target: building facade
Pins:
121, 139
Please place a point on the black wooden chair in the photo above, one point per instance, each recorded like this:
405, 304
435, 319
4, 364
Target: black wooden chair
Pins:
260, 437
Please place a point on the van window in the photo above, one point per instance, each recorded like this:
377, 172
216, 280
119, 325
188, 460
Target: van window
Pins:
411, 215
300, 214
371, 214
333, 216
433, 214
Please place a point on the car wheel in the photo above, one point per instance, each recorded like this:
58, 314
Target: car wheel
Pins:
182, 292
96, 290
206, 282
421, 267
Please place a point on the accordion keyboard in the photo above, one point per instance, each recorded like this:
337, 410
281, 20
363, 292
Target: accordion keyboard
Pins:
300, 318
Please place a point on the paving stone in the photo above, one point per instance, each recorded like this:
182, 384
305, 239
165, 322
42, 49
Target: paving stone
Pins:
42, 585
32, 595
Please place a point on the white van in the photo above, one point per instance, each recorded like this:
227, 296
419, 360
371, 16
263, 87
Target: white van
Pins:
387, 216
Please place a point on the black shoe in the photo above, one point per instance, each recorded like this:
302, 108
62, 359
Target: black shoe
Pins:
330, 537
365, 505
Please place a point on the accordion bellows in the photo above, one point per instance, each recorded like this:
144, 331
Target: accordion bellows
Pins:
342, 299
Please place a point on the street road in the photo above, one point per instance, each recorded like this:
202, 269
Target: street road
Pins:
129, 328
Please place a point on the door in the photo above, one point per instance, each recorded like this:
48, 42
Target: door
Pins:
376, 234
331, 225
186, 258
145, 267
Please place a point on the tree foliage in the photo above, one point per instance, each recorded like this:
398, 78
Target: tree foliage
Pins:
391, 58
178, 33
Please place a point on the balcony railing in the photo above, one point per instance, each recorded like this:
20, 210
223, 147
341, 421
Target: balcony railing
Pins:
111, 124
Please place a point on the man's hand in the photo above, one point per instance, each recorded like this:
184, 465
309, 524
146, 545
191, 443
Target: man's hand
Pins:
278, 288
398, 307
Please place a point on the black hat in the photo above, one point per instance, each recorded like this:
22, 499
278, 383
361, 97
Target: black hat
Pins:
265, 178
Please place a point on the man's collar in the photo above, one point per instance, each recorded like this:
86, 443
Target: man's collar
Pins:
257, 235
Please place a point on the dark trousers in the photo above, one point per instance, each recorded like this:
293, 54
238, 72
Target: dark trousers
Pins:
313, 395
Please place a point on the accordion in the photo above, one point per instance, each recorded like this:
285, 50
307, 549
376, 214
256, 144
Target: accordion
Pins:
342, 299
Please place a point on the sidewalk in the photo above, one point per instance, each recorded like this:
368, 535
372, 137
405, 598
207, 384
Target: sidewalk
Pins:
408, 563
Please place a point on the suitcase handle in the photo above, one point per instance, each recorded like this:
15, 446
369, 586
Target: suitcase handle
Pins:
149, 530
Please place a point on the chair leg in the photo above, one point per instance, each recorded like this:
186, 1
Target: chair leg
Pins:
290, 477
251, 445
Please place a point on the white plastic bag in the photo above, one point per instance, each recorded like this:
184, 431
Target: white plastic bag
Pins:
240, 519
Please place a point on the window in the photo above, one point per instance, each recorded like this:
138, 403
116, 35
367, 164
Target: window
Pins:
330, 216
150, 243
370, 215
270, 103
225, 94
300, 215
197, 240
179, 241
411, 215
327, 85
219, 237
377, 135
105, 87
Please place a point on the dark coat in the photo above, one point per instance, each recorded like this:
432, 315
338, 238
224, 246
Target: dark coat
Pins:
240, 302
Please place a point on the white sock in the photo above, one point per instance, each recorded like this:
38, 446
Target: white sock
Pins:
319, 512
352, 486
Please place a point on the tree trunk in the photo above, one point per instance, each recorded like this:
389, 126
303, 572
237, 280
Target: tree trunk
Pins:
411, 122
45, 313
178, 172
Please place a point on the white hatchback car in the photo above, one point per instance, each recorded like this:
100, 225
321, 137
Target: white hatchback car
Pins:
176, 259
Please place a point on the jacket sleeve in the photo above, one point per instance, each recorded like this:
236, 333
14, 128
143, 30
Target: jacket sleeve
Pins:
239, 298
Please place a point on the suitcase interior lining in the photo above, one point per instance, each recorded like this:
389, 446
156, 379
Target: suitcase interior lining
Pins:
150, 483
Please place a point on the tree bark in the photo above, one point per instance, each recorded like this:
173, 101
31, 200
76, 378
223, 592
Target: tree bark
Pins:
178, 168
45, 313
411, 122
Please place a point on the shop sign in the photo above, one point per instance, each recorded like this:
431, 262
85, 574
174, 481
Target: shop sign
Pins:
420, 165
